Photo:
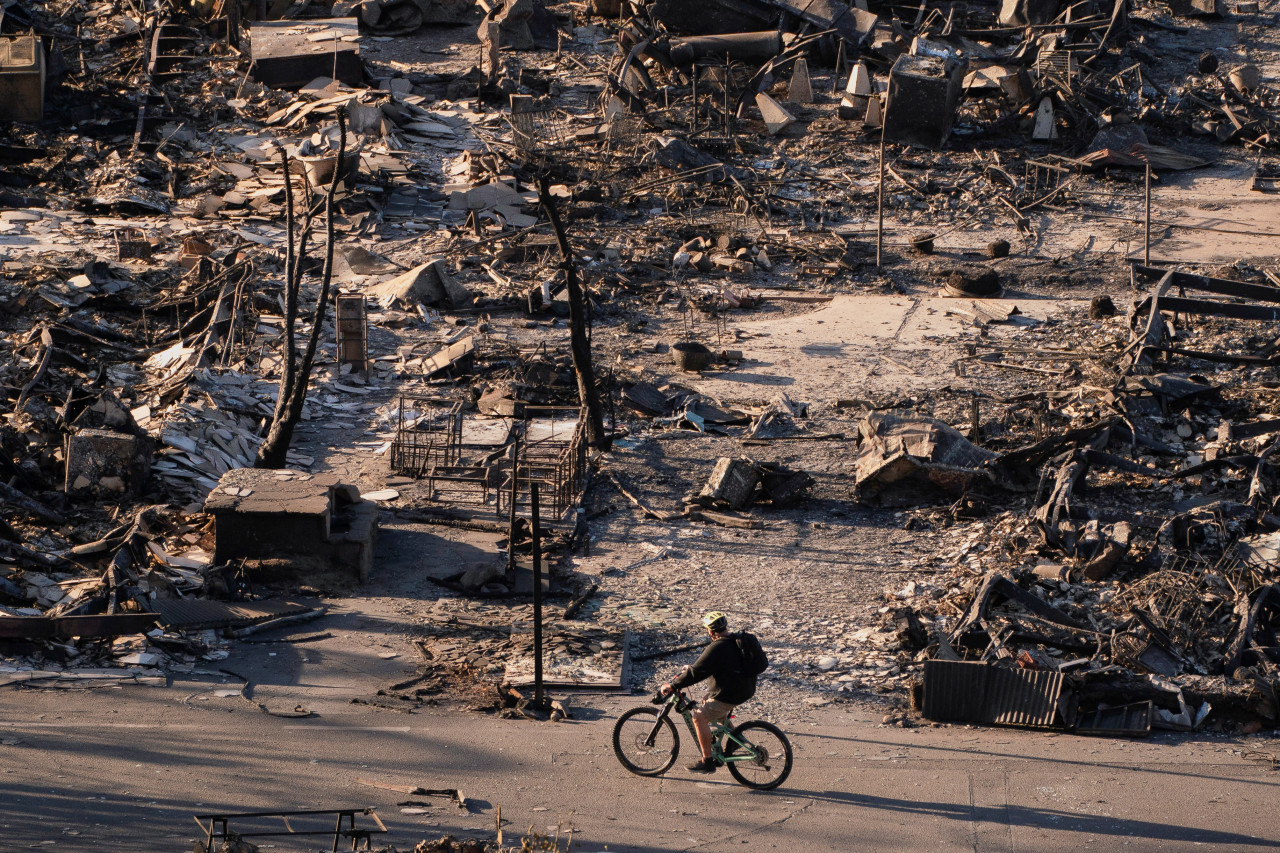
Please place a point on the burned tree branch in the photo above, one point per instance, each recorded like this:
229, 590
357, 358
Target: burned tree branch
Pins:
579, 339
274, 450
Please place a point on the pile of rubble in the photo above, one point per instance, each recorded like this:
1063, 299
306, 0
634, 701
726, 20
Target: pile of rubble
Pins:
714, 161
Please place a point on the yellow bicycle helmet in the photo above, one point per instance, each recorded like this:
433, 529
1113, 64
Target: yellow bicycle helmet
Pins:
715, 620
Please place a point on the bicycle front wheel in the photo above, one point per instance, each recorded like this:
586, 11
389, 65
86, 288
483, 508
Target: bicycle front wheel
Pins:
645, 745
770, 755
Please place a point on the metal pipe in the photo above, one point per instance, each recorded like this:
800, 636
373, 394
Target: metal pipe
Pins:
761, 46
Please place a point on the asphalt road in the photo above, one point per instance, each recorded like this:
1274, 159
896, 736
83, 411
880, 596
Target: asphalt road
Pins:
126, 769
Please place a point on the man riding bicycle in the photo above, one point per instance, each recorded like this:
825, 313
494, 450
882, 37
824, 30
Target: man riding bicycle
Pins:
731, 684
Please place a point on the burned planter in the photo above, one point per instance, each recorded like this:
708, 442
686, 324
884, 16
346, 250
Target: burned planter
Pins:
293, 525
923, 94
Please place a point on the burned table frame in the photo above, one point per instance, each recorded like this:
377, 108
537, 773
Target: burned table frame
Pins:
218, 827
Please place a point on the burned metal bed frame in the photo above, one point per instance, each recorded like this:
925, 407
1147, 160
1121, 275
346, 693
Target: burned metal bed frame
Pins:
429, 446
556, 462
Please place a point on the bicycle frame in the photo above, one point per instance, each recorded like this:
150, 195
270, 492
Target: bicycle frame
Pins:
684, 706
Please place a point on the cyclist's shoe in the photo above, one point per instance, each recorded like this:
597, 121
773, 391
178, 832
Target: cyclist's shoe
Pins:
704, 766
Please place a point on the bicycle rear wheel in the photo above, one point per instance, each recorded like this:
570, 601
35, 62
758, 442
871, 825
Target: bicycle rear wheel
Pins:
631, 742
770, 752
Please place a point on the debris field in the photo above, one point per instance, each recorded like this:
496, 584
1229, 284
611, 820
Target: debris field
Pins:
937, 345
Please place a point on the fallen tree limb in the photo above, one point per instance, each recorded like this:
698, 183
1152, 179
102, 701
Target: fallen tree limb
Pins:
21, 501
46, 356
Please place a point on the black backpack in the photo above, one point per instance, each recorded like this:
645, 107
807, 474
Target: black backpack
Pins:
754, 660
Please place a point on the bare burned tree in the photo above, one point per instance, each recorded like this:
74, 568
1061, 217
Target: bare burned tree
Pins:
579, 328
295, 374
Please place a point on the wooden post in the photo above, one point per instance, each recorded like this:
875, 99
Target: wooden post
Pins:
835, 78
694, 129
726, 96
880, 192
1146, 256
537, 597
515, 493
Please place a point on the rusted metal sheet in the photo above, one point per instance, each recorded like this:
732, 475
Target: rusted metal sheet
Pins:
25, 627
1220, 286
65, 627
1207, 307
193, 613
104, 625
980, 693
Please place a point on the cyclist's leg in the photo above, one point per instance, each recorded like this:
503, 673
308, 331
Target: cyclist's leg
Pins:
710, 711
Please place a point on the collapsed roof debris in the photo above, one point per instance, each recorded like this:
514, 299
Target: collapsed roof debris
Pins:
1106, 482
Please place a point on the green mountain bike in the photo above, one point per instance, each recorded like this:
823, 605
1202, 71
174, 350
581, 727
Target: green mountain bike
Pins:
647, 743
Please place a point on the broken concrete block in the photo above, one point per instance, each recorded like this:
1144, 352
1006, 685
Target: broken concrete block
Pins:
1194, 8
732, 481
105, 462
776, 117
22, 78
801, 89
289, 56
922, 98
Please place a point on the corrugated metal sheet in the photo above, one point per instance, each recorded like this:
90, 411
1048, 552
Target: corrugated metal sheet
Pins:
980, 693
195, 613
1131, 720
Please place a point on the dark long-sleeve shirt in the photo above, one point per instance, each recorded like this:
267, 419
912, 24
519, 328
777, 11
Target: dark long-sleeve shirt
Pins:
722, 663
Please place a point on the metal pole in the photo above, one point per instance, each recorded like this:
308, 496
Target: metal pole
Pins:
515, 481
880, 192
1147, 241
537, 597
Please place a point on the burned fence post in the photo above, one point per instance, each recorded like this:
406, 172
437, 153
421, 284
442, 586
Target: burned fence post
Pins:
1146, 254
537, 595
515, 494
880, 192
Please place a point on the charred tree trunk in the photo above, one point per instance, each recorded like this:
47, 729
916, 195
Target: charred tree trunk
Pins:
296, 377
579, 331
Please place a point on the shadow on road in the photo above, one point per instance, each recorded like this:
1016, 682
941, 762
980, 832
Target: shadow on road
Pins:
1058, 821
